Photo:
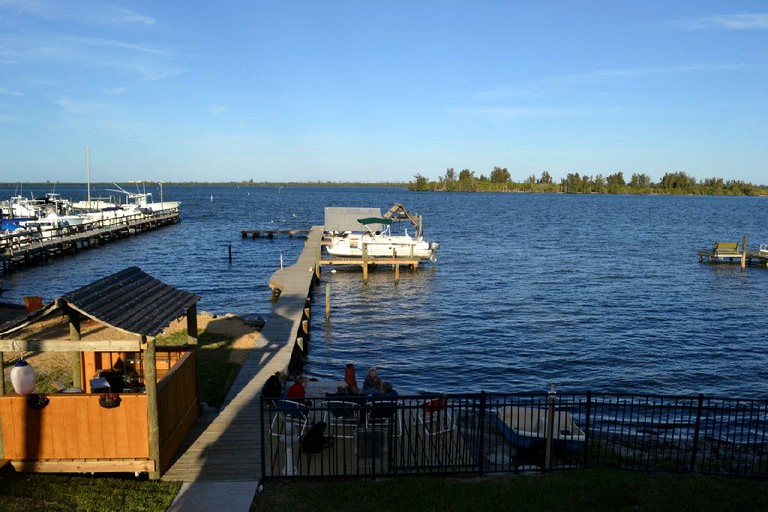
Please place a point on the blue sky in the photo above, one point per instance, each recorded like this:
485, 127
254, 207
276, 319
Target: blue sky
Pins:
380, 91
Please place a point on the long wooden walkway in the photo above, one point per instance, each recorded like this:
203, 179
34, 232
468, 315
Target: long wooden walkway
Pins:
229, 449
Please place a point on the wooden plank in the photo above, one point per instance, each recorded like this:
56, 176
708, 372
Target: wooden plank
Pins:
84, 466
21, 345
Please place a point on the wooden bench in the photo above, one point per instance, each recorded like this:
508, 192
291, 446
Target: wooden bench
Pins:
726, 249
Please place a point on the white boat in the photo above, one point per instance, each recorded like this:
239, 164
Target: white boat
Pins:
141, 202
526, 427
377, 241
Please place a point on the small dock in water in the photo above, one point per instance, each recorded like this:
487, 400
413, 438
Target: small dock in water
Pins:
272, 233
730, 252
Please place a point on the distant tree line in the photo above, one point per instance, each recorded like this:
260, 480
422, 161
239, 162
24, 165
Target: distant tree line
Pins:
500, 180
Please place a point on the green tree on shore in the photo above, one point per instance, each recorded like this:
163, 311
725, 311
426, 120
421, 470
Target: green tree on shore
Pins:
500, 180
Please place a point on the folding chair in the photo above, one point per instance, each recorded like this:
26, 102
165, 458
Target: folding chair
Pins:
433, 416
383, 413
342, 418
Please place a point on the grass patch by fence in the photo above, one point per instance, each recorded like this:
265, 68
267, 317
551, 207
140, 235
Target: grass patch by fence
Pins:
579, 490
33, 491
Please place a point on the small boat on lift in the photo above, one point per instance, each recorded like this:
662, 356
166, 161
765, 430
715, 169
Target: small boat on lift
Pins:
377, 241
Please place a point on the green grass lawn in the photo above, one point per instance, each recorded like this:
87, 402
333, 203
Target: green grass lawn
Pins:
577, 490
21, 492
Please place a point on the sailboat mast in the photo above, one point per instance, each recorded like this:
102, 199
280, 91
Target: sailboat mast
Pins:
88, 172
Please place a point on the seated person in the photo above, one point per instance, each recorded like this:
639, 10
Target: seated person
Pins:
372, 382
387, 389
342, 390
298, 391
273, 388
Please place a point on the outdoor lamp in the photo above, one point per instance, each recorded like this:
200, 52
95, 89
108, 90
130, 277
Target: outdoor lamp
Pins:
23, 377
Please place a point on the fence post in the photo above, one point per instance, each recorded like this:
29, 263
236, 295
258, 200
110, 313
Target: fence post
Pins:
696, 431
587, 430
481, 436
550, 426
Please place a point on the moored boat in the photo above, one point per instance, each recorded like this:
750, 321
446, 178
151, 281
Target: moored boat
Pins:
526, 427
378, 241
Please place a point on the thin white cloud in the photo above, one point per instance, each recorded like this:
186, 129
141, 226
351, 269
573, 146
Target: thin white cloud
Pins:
75, 106
96, 13
547, 85
6, 92
119, 45
218, 110
115, 91
517, 112
747, 21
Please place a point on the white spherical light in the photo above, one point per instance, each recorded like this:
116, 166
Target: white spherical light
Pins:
23, 377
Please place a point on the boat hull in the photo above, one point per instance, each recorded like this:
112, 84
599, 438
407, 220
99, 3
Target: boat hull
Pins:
352, 246
526, 427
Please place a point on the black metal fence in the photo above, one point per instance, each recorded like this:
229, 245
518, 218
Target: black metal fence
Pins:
489, 432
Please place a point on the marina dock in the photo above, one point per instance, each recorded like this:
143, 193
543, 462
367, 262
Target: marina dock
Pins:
19, 249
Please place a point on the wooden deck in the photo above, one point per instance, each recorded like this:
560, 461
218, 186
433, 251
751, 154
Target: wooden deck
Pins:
229, 448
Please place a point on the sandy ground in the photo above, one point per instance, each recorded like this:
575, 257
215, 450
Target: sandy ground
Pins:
244, 335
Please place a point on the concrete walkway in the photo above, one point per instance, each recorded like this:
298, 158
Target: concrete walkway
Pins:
221, 466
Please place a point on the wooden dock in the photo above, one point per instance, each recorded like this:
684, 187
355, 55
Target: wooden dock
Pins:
229, 448
729, 252
20, 249
272, 233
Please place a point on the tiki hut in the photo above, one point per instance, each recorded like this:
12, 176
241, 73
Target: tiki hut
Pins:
131, 403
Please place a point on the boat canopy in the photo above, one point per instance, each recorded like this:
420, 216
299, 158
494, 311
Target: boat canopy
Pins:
375, 220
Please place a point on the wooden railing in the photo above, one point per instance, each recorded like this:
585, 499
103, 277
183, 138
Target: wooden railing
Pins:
177, 406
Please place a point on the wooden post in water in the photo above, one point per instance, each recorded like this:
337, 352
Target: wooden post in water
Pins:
744, 253
327, 301
230, 254
397, 272
365, 263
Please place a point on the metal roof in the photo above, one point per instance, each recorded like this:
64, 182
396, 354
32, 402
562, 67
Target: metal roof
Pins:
345, 219
132, 301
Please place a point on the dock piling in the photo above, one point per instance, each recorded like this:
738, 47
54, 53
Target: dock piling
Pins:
744, 253
327, 301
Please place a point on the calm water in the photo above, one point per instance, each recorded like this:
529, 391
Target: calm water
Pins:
591, 292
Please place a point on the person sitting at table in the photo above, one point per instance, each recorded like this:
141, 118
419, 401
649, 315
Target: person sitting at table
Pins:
372, 382
387, 389
298, 391
273, 388
342, 390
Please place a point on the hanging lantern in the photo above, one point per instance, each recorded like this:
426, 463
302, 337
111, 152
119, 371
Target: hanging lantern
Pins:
23, 377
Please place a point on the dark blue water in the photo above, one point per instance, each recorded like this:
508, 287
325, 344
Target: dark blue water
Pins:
592, 292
